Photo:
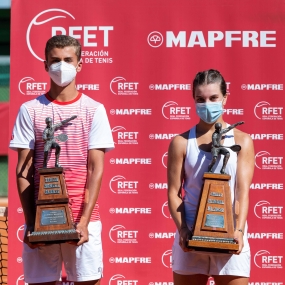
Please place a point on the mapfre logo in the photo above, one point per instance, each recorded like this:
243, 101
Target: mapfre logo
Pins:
171, 111
161, 283
130, 260
28, 86
119, 279
276, 87
264, 210
20, 233
265, 235
265, 283
160, 186
130, 211
263, 259
155, 39
264, 160
162, 136
161, 235
135, 161
120, 185
124, 137
166, 259
50, 22
120, 86
266, 186
131, 112
21, 281
89, 87
264, 111
119, 234
170, 87
165, 210
237, 112
192, 39
267, 137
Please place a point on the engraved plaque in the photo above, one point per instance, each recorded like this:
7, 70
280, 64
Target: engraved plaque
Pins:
54, 221
214, 227
53, 217
215, 221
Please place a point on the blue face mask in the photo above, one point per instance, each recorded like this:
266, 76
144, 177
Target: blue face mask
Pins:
209, 112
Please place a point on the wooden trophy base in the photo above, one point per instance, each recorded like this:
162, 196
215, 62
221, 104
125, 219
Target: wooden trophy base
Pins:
214, 227
54, 222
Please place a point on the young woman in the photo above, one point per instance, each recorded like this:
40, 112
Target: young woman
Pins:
189, 157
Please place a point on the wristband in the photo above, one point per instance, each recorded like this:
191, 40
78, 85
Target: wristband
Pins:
240, 230
184, 227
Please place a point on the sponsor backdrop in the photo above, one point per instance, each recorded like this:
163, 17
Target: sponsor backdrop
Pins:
139, 59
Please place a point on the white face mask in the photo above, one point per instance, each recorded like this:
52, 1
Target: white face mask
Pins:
62, 73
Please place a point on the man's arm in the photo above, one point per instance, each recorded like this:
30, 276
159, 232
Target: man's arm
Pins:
25, 183
95, 168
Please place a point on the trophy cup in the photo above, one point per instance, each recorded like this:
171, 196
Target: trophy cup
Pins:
54, 221
214, 226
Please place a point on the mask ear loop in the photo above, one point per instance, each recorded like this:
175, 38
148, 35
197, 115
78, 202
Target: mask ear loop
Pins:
80, 61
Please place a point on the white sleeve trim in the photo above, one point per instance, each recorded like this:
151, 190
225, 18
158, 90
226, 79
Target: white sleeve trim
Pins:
23, 135
100, 135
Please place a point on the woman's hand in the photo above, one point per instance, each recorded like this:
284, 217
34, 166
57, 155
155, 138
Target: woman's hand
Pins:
184, 236
238, 237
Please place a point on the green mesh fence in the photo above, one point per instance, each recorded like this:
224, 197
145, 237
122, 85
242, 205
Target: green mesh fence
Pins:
3, 176
4, 82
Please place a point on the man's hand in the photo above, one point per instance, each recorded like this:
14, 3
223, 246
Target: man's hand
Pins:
83, 233
26, 238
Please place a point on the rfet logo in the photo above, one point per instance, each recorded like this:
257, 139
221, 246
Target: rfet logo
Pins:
119, 234
264, 210
28, 86
51, 23
164, 159
20, 281
20, 233
165, 210
264, 111
171, 111
120, 185
264, 160
120, 86
119, 279
166, 258
124, 136
264, 259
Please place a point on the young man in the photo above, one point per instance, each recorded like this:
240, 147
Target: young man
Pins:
82, 157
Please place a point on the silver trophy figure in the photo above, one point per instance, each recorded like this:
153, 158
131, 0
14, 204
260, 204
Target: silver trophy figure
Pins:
50, 140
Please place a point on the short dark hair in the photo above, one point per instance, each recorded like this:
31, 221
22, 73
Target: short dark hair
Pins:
208, 77
62, 41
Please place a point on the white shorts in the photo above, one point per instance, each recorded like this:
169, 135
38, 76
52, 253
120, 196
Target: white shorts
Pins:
195, 262
81, 263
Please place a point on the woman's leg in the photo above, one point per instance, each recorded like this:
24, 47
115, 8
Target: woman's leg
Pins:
195, 279
230, 280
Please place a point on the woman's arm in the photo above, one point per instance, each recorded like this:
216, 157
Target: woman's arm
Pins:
175, 175
245, 169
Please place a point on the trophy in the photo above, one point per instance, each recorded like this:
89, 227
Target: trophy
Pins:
214, 226
54, 221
